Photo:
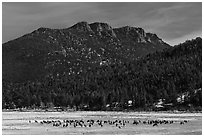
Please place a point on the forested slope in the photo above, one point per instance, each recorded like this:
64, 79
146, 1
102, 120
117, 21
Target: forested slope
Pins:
160, 75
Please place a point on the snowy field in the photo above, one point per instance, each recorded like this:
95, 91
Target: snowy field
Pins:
25, 123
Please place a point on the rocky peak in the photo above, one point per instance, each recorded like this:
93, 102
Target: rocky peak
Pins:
127, 30
133, 33
81, 26
98, 26
141, 32
152, 35
153, 38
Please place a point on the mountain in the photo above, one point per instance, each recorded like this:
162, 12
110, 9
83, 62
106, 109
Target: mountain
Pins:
163, 75
53, 52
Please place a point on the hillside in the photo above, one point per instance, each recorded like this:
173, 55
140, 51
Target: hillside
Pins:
52, 52
160, 75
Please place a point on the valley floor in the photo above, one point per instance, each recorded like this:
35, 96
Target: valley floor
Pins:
19, 123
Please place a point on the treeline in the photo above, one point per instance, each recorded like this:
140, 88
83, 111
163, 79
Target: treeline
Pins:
161, 75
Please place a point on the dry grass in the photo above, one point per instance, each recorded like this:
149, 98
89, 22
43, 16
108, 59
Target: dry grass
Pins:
18, 123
